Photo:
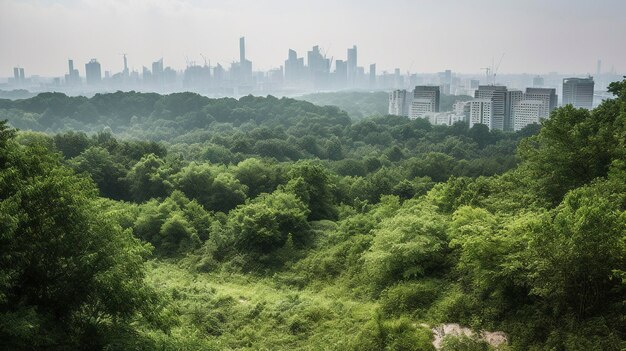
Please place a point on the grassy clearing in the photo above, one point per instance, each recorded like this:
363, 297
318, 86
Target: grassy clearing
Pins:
243, 312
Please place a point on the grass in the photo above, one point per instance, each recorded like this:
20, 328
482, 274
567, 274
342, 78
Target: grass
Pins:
246, 312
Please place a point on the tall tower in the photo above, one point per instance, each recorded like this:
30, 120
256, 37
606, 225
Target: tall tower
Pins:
352, 63
242, 49
125, 66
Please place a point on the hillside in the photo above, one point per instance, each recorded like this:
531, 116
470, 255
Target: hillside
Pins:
178, 222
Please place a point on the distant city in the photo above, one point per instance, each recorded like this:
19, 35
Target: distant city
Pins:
505, 102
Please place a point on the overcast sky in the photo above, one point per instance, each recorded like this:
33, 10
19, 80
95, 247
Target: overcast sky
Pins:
537, 36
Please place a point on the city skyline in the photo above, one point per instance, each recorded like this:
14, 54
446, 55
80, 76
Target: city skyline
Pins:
423, 37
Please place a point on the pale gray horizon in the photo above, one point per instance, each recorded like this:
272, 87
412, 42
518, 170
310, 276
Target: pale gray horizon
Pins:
565, 36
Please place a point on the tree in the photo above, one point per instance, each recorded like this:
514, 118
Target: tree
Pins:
575, 146
212, 187
410, 244
149, 178
311, 184
263, 225
103, 170
67, 272
259, 176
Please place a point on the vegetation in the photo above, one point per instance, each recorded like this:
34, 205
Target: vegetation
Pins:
141, 221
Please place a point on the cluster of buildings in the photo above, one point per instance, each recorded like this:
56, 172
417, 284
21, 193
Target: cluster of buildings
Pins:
495, 106
317, 73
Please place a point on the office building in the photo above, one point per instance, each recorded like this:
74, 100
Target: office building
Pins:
538, 82
93, 73
481, 112
425, 99
399, 102
547, 96
578, 92
498, 95
527, 112
513, 97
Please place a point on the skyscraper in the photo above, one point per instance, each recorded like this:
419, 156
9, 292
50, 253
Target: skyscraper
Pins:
538, 82
399, 102
341, 73
294, 67
513, 97
16, 75
352, 64
242, 49
93, 74
578, 92
72, 77
319, 67
125, 71
157, 71
373, 75
425, 100
498, 95
245, 66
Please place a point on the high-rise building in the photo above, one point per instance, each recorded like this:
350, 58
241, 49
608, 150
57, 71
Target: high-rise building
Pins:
22, 76
72, 77
125, 71
498, 95
157, 71
578, 92
352, 66
93, 73
319, 67
16, 75
373, 75
294, 67
513, 97
527, 112
425, 100
547, 96
481, 112
399, 102
341, 73
538, 82
245, 65
599, 68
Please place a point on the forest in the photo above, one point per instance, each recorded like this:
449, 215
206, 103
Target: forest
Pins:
139, 221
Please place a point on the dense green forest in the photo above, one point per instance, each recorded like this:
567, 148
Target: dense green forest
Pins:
177, 222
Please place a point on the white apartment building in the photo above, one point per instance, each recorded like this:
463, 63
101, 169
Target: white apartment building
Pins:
527, 112
481, 112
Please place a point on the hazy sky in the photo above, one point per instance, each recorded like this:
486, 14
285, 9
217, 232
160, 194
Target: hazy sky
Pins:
540, 36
